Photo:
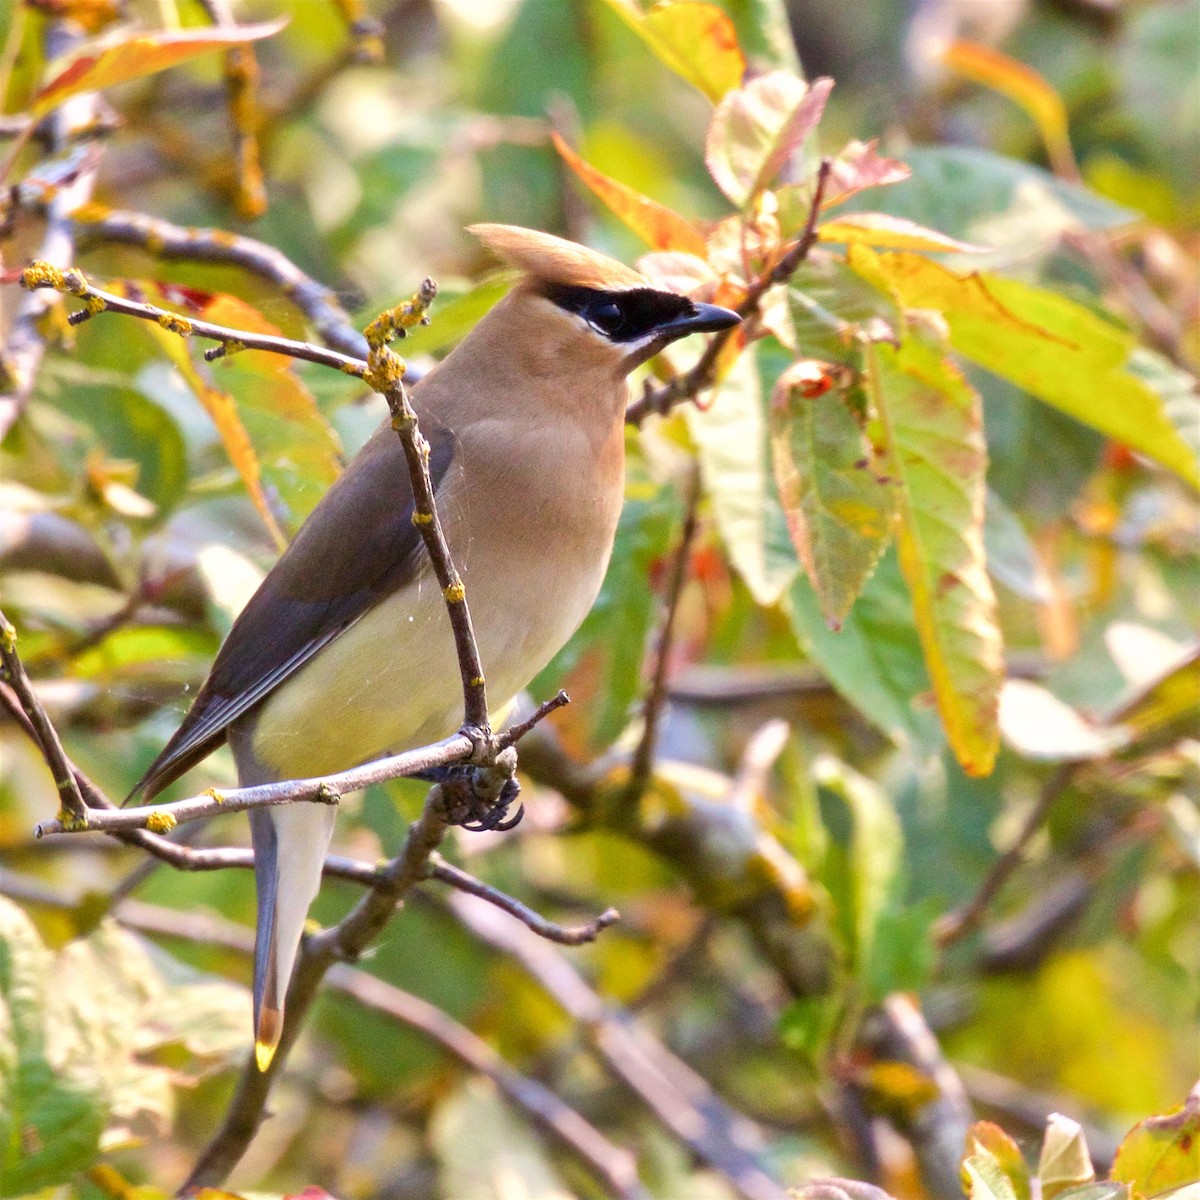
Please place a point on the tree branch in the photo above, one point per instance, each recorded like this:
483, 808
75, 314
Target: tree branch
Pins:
643, 756
692, 382
166, 240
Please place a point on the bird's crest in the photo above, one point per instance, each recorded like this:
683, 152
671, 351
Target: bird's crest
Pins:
556, 260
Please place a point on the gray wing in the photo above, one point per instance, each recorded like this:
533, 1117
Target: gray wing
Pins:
357, 547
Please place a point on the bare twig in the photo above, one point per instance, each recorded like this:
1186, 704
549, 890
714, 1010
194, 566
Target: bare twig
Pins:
166, 240
643, 755
41, 274
956, 925
45, 736
386, 375
564, 935
692, 382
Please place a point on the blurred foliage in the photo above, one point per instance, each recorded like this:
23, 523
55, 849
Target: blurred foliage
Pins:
949, 532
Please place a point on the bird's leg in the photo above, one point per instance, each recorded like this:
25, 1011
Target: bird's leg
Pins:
480, 797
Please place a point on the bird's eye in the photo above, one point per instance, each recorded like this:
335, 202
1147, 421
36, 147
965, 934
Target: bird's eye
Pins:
607, 317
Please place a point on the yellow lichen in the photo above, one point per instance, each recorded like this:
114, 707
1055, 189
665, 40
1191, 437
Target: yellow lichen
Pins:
175, 324
41, 274
160, 822
420, 518
456, 593
213, 794
70, 822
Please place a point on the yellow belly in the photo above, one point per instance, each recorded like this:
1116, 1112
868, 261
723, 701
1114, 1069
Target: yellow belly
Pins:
391, 681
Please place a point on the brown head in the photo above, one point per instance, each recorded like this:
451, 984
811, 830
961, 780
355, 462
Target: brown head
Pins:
590, 310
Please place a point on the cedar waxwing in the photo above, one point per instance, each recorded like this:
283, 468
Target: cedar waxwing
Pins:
345, 652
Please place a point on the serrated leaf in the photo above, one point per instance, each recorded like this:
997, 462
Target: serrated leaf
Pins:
756, 132
122, 57
658, 226
1055, 349
892, 233
697, 41
838, 511
1064, 1162
932, 438
991, 1149
1161, 1153
731, 437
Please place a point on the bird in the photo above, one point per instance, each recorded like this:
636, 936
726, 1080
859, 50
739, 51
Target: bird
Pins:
345, 652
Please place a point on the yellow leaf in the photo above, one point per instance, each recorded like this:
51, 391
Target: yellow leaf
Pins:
891, 233
1024, 86
657, 225
1054, 348
932, 433
697, 41
116, 59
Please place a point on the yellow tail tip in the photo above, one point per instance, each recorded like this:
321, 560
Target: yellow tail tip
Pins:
267, 1035
264, 1052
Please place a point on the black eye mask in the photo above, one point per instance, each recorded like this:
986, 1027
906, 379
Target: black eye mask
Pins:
623, 316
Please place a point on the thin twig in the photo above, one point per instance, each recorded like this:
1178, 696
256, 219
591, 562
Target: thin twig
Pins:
643, 755
564, 935
318, 953
386, 375
514, 733
956, 925
166, 240
73, 810
692, 382
41, 274
160, 818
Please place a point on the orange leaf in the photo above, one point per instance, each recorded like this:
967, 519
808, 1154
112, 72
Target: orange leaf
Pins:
894, 233
657, 225
1024, 86
118, 59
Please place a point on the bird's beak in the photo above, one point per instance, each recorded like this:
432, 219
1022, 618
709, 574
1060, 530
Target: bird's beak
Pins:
703, 318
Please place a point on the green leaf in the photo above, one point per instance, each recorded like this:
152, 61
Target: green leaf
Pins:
839, 510
875, 660
764, 33
50, 1124
1165, 709
731, 436
1055, 349
874, 855
1106, 1191
980, 196
807, 1025
758, 130
931, 424
1065, 1161
1161, 1153
1012, 558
